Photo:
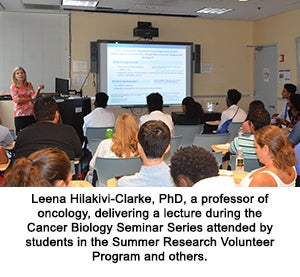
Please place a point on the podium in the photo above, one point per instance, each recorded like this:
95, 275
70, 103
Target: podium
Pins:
73, 110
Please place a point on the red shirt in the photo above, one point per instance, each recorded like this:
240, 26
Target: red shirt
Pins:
22, 91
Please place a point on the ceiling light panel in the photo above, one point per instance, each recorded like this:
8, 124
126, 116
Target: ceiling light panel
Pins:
213, 11
90, 4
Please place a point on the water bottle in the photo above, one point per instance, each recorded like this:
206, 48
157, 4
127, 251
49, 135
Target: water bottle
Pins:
109, 133
239, 162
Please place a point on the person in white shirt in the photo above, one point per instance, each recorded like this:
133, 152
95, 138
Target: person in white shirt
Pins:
100, 116
233, 112
155, 110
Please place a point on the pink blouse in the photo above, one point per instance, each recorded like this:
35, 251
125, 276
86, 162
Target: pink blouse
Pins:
22, 91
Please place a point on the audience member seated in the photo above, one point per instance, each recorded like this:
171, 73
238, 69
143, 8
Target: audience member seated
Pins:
294, 137
191, 164
194, 166
193, 113
284, 117
48, 132
257, 120
155, 110
276, 153
100, 116
48, 167
235, 113
153, 142
253, 106
293, 104
123, 144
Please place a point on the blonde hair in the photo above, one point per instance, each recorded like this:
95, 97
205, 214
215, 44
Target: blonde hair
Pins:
125, 136
283, 154
13, 76
42, 168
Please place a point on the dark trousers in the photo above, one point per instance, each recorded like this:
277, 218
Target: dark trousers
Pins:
23, 121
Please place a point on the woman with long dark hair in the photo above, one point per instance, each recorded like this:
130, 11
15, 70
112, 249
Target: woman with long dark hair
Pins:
193, 113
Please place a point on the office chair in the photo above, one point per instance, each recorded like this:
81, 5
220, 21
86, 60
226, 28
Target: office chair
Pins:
249, 164
233, 130
218, 157
108, 168
94, 136
188, 132
175, 144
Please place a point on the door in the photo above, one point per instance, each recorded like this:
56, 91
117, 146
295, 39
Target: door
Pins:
265, 76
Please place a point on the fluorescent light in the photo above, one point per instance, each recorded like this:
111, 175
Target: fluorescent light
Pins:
214, 10
92, 4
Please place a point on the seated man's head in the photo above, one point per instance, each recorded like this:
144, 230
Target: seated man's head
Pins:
101, 100
259, 119
46, 109
154, 102
233, 97
154, 140
191, 164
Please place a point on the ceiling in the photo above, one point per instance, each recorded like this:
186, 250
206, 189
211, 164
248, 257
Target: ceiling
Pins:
250, 10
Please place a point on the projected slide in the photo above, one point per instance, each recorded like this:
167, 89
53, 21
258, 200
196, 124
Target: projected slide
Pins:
129, 72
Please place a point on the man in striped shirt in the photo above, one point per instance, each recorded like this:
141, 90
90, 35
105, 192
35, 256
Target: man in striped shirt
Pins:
257, 120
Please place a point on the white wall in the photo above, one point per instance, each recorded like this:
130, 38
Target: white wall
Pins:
37, 42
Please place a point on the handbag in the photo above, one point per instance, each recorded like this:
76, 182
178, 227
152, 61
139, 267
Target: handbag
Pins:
224, 127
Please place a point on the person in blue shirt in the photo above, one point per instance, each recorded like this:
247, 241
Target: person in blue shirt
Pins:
153, 143
294, 137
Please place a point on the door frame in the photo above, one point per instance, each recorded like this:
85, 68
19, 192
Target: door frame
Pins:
276, 98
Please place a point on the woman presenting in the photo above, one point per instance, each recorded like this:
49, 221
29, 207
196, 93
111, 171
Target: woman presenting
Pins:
23, 95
